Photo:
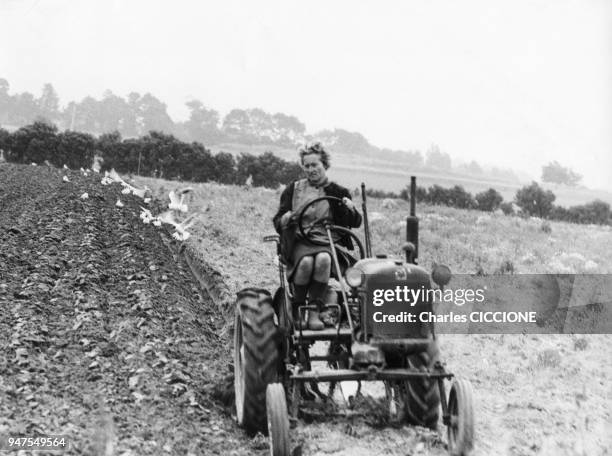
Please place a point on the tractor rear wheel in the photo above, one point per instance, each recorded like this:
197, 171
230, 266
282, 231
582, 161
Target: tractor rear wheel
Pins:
255, 358
422, 394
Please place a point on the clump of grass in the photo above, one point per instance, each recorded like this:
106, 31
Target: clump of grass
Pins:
581, 344
507, 267
545, 227
548, 358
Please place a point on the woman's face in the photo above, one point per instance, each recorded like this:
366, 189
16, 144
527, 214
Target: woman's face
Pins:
313, 167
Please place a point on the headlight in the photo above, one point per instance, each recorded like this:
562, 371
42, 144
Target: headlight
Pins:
354, 277
441, 274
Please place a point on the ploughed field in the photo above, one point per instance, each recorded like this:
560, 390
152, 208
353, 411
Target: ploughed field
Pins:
105, 336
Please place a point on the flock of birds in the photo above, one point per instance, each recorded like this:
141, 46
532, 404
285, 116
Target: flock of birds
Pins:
177, 207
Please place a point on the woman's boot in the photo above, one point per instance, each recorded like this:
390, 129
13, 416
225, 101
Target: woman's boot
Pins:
314, 320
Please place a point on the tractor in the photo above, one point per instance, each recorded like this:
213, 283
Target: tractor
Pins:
273, 355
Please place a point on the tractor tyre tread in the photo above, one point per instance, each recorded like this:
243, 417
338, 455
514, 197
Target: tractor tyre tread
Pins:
423, 395
259, 338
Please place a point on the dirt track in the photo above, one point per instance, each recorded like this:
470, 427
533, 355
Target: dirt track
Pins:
107, 338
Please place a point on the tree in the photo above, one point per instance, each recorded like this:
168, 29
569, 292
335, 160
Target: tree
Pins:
25, 108
115, 114
154, 114
203, 123
225, 168
267, 170
489, 200
107, 146
48, 103
74, 149
437, 159
459, 197
32, 143
534, 200
4, 138
473, 167
557, 174
86, 115
288, 130
236, 124
5, 101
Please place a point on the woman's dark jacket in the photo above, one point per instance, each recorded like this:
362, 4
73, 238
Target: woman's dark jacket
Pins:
342, 215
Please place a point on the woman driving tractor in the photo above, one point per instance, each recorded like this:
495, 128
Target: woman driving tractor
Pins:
308, 258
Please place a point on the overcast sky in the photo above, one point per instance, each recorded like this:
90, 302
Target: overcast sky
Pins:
509, 83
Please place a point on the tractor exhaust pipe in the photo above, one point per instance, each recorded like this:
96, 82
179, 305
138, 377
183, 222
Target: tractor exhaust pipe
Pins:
412, 225
366, 226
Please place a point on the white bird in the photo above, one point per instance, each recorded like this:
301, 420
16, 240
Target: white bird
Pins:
181, 237
181, 228
145, 215
65, 179
177, 203
249, 181
96, 166
106, 180
65, 167
82, 170
127, 189
119, 203
33, 164
115, 177
84, 196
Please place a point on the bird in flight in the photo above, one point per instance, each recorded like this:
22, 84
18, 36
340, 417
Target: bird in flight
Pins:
181, 228
177, 199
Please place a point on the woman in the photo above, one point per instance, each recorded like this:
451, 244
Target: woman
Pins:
309, 265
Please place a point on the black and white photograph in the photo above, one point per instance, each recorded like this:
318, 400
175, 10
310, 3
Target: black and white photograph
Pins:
306, 228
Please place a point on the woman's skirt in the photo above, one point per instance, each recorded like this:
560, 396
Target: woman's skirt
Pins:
302, 248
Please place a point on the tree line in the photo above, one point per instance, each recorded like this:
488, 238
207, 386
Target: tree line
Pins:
136, 114
162, 155
530, 200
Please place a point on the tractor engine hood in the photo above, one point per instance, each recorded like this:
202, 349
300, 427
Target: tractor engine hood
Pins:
396, 278
394, 270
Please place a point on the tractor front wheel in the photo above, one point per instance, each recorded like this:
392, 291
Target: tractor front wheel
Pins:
278, 420
255, 358
461, 411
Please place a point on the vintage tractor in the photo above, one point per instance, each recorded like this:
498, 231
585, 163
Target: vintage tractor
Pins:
273, 358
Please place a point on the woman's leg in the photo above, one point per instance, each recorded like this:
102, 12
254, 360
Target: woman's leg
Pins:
301, 278
322, 270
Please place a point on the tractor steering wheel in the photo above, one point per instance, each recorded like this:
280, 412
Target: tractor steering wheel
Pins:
326, 222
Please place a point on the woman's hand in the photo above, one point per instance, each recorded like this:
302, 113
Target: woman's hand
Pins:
285, 218
348, 203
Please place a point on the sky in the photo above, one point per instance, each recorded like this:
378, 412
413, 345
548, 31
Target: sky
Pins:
507, 83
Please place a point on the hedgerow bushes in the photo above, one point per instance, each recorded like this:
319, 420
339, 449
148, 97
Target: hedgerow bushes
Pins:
156, 155
41, 142
531, 199
164, 156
